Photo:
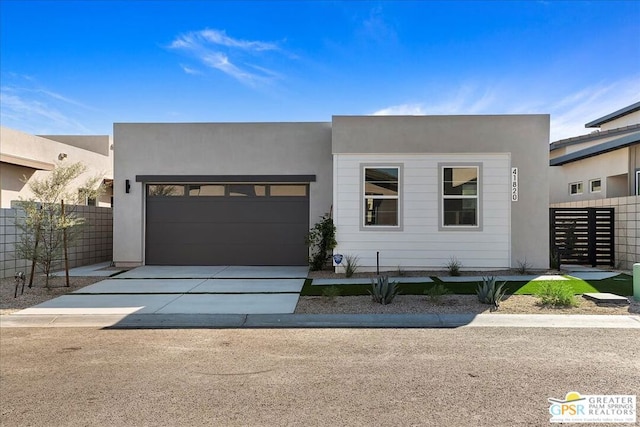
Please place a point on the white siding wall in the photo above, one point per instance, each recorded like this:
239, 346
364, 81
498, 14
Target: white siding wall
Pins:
420, 244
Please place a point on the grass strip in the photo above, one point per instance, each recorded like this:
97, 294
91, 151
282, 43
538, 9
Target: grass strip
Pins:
620, 285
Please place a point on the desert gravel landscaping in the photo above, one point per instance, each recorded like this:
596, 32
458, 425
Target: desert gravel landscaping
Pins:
448, 304
452, 304
38, 293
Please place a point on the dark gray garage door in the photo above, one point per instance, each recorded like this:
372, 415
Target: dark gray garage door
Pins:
227, 224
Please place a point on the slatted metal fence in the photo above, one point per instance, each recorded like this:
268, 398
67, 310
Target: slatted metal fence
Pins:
583, 235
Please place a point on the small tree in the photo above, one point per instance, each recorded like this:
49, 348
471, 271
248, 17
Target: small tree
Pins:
50, 220
321, 239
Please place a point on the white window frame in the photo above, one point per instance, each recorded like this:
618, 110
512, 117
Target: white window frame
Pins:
591, 182
442, 197
579, 188
363, 197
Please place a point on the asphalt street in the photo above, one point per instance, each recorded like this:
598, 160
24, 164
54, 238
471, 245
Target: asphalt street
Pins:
326, 377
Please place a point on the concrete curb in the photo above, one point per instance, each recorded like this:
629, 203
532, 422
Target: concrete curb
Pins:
225, 321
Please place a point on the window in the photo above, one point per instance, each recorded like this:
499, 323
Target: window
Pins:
575, 188
247, 190
595, 185
638, 182
288, 190
165, 190
381, 196
206, 190
460, 196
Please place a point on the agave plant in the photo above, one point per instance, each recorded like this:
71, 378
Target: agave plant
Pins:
382, 291
489, 292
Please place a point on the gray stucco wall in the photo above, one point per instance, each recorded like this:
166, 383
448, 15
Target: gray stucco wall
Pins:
525, 137
212, 149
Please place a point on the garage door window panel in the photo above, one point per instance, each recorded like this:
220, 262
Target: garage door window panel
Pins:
246, 190
165, 190
210, 190
288, 190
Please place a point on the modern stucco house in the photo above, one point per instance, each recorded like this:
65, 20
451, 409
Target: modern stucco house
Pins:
602, 170
23, 155
417, 190
602, 164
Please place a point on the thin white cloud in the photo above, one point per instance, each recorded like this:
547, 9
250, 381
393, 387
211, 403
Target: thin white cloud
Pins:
221, 38
234, 57
402, 110
39, 110
376, 27
569, 112
466, 99
189, 70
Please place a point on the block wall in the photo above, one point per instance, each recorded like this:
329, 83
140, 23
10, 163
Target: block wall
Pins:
94, 245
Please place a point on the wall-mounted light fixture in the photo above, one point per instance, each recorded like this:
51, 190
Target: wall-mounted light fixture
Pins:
127, 186
62, 156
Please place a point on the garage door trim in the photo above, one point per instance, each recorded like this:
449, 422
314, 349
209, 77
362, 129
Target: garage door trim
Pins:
224, 178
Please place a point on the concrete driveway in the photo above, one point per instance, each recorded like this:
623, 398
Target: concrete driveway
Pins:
185, 290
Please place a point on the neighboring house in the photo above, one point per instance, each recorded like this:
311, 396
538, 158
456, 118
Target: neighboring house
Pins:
602, 170
413, 190
601, 165
26, 157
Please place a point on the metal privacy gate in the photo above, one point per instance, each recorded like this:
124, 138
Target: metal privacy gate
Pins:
583, 235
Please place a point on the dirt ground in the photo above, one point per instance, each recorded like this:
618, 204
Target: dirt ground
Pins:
307, 377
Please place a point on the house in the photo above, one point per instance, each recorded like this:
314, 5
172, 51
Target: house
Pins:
600, 165
602, 170
409, 191
24, 156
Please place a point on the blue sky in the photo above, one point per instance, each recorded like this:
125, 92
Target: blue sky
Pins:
78, 67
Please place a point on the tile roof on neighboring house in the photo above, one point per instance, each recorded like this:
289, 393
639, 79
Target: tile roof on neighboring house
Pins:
605, 147
612, 116
593, 136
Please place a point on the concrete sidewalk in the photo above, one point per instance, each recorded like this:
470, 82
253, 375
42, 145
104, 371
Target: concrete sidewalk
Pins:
221, 321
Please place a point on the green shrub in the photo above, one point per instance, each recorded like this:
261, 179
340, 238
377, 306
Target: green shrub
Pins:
490, 292
350, 265
454, 266
329, 293
321, 239
382, 291
436, 292
556, 294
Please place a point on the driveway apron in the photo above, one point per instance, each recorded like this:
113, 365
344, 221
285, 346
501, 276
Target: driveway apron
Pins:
185, 290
